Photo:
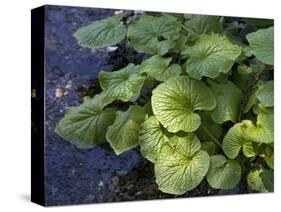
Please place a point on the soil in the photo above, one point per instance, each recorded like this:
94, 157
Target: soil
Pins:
139, 184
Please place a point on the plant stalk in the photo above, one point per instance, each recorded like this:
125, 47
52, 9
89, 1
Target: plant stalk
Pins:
211, 136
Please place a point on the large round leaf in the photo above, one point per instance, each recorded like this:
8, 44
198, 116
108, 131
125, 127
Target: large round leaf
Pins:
223, 173
124, 84
102, 33
181, 165
158, 68
211, 55
123, 134
265, 94
261, 44
153, 34
228, 97
152, 138
86, 125
175, 100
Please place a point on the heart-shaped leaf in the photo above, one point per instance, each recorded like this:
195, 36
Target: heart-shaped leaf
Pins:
181, 166
158, 68
261, 44
175, 100
103, 33
123, 134
153, 34
223, 173
85, 126
152, 138
228, 97
124, 84
211, 55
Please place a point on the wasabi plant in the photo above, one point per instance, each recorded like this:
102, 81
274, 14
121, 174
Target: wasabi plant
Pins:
199, 105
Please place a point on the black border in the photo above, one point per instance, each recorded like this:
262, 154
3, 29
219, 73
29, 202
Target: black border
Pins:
37, 105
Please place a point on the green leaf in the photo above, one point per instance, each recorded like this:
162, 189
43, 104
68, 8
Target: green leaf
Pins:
234, 141
123, 134
269, 156
258, 178
209, 147
250, 149
102, 33
153, 34
212, 127
211, 55
262, 131
261, 44
223, 173
267, 178
158, 68
265, 94
181, 166
124, 84
242, 133
152, 138
181, 43
175, 100
228, 97
252, 101
201, 24
85, 126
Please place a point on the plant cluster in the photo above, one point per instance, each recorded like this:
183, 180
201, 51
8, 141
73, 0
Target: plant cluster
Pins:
199, 105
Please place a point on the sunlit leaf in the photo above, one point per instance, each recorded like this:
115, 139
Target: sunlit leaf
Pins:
181, 166
175, 101
152, 138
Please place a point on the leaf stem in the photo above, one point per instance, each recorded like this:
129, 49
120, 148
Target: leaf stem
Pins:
211, 136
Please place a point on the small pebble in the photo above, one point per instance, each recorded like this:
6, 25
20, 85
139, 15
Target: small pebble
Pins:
59, 92
101, 184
